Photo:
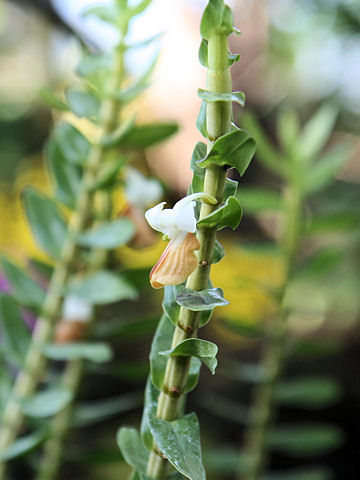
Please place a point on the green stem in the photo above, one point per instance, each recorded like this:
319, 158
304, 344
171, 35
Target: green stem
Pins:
218, 120
34, 365
273, 354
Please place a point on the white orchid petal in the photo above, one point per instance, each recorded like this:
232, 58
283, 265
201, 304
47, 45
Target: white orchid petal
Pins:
185, 218
153, 216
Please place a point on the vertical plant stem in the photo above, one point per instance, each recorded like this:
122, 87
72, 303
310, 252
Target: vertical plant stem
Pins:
273, 354
34, 364
218, 120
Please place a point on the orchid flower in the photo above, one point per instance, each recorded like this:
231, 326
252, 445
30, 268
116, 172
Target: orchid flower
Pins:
178, 260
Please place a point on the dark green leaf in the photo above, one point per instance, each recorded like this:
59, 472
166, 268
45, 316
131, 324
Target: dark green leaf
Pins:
22, 445
133, 449
198, 154
201, 121
230, 188
103, 287
51, 100
199, 300
99, 410
144, 136
5, 386
46, 221
66, 176
237, 97
196, 347
150, 406
179, 441
228, 215
308, 392
305, 440
233, 58
72, 144
47, 403
119, 135
15, 336
235, 149
170, 307
23, 288
108, 235
322, 172
255, 199
83, 104
96, 352
219, 252
317, 131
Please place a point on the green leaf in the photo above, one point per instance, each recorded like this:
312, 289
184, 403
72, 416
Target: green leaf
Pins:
195, 347
99, 410
47, 403
144, 136
219, 252
51, 100
201, 121
235, 149
237, 97
305, 440
102, 287
96, 352
306, 473
106, 13
92, 64
162, 341
46, 221
170, 307
150, 406
265, 151
308, 392
230, 188
109, 235
72, 144
108, 174
23, 288
288, 129
83, 104
317, 131
255, 199
228, 409
217, 19
15, 336
233, 58
203, 53
120, 134
5, 386
22, 446
228, 215
322, 172
179, 441
199, 300
66, 176
132, 448
140, 7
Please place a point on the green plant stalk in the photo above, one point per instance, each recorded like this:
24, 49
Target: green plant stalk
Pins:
218, 122
34, 364
274, 348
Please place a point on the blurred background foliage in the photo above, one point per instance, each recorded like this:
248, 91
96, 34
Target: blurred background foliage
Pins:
296, 54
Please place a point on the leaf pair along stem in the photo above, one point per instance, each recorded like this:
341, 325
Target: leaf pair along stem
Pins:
218, 123
35, 361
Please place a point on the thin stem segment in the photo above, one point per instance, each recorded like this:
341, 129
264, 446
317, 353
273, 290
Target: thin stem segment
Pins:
218, 120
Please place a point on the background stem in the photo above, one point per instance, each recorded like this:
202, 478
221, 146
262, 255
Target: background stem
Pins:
218, 120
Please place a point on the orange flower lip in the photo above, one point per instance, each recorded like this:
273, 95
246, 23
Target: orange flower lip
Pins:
176, 263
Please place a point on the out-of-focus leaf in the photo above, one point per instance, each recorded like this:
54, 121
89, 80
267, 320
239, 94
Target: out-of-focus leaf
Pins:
195, 347
108, 174
306, 473
317, 131
227, 409
288, 128
22, 445
207, 96
109, 235
66, 176
98, 410
322, 172
179, 441
144, 136
140, 7
305, 440
15, 336
51, 100
46, 221
228, 215
96, 352
47, 403
132, 448
129, 328
5, 386
235, 149
256, 200
119, 135
225, 461
199, 300
72, 144
102, 287
23, 288
92, 64
83, 104
107, 13
308, 392
333, 223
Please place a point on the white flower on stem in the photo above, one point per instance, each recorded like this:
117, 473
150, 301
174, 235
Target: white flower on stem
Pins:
178, 260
